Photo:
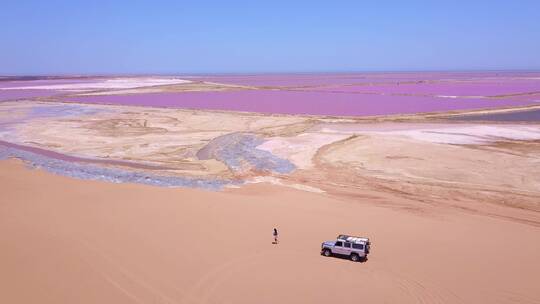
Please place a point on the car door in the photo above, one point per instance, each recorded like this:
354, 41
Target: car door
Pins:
347, 248
338, 248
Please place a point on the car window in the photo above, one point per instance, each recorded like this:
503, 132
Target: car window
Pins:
347, 245
339, 244
358, 246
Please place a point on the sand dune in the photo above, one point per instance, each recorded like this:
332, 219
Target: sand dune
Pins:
72, 241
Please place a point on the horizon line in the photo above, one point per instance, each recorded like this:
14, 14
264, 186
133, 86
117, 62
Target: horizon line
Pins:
248, 73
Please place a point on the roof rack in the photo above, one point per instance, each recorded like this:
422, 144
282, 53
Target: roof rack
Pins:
353, 239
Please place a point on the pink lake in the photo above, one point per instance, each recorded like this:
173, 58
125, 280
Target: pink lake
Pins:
8, 83
303, 102
19, 94
294, 80
444, 88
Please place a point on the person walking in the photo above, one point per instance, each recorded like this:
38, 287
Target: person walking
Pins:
275, 234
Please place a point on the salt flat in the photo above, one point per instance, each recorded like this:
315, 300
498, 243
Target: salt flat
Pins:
96, 84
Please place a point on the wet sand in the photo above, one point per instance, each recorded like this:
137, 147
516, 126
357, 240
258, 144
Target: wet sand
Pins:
72, 241
69, 158
514, 116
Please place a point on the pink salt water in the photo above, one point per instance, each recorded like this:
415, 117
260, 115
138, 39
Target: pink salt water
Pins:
309, 80
7, 83
469, 88
19, 94
347, 94
302, 102
15, 88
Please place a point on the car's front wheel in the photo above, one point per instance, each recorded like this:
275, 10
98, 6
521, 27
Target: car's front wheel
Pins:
327, 252
355, 257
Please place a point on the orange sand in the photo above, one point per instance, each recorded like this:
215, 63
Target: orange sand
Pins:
72, 241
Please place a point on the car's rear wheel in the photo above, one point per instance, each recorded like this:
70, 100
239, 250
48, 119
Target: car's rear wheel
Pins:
327, 252
355, 257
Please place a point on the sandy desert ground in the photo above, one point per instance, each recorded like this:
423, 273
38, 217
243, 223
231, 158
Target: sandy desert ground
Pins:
144, 203
72, 241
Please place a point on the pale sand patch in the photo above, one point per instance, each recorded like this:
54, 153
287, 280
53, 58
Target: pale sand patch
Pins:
72, 241
472, 134
300, 149
168, 137
446, 133
276, 181
399, 158
188, 86
113, 83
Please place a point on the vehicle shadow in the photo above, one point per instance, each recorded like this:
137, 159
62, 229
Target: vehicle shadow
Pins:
345, 257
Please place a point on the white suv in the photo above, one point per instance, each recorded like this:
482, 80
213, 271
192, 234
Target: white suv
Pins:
356, 248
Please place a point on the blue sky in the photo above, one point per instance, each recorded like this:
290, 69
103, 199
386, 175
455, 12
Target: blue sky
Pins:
169, 37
